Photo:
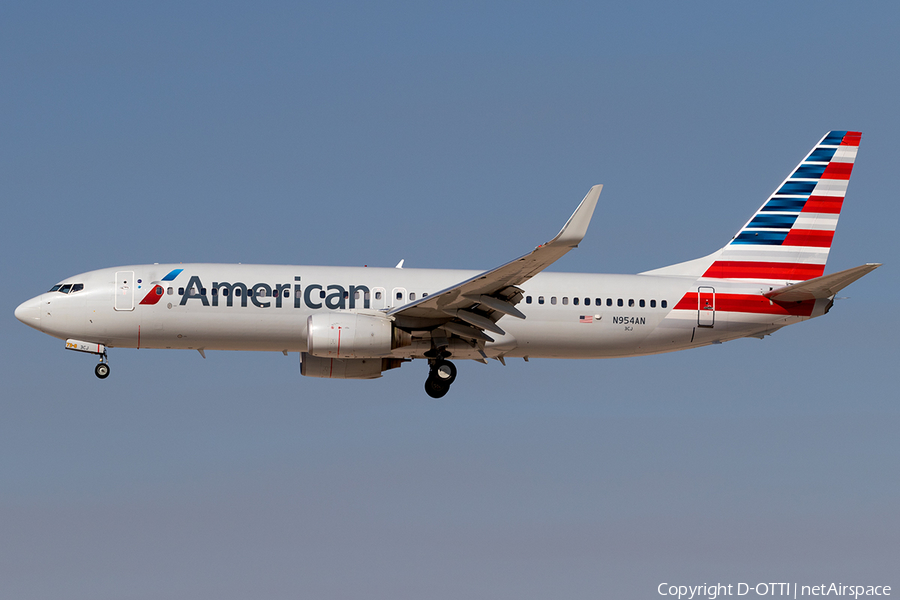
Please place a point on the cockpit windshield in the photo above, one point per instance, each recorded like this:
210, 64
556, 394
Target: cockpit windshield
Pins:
66, 288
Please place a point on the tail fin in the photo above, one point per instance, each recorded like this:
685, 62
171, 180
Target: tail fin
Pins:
789, 237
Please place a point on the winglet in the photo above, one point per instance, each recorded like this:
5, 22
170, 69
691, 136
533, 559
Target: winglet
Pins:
491, 287
573, 231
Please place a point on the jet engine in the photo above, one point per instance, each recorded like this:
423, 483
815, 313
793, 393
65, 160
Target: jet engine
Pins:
346, 334
346, 368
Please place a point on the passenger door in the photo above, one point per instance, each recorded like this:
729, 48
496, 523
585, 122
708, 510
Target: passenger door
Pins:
124, 290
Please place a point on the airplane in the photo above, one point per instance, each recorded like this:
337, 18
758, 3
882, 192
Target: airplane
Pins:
358, 322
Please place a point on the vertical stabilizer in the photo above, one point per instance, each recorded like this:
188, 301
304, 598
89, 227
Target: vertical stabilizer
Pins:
789, 237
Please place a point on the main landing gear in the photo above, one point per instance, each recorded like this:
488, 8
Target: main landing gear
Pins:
442, 373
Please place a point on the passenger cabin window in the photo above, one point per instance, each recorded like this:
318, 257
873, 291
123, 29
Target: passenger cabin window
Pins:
642, 303
399, 296
322, 294
565, 300
631, 303
663, 304
527, 299
181, 291
412, 295
170, 291
587, 302
378, 295
553, 300
540, 299
575, 301
620, 302
653, 304
609, 301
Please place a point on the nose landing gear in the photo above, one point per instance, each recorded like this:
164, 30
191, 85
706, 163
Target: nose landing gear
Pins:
102, 368
441, 374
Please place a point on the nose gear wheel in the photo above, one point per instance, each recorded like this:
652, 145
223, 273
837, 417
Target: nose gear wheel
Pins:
102, 368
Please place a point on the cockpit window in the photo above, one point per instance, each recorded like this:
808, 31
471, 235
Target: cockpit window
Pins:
77, 287
65, 289
56, 287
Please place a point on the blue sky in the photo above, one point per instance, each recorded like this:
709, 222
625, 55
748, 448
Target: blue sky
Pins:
454, 136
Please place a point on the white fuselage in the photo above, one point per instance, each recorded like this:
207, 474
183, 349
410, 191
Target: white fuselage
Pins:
568, 315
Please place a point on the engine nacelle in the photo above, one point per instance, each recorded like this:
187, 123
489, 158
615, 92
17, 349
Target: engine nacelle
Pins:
346, 368
346, 334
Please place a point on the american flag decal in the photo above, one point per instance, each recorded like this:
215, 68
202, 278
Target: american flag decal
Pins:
586, 319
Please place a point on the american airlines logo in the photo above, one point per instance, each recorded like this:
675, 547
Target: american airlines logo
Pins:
263, 295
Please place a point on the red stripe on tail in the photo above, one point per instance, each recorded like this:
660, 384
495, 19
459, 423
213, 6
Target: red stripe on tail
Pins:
851, 138
824, 204
733, 269
837, 170
808, 237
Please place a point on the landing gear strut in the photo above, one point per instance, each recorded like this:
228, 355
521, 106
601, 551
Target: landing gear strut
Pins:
440, 376
102, 368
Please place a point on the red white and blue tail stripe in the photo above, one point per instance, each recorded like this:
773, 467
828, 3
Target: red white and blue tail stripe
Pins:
789, 237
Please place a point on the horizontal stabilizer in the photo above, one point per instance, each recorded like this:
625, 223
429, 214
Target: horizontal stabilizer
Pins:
820, 287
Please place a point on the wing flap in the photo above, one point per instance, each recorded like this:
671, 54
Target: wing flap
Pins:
820, 287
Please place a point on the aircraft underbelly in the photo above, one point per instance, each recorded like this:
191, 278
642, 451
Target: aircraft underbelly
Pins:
578, 338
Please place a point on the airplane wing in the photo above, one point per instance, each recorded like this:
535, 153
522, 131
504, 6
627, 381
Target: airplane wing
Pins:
470, 307
820, 287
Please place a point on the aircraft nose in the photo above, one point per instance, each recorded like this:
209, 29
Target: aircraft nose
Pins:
29, 312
